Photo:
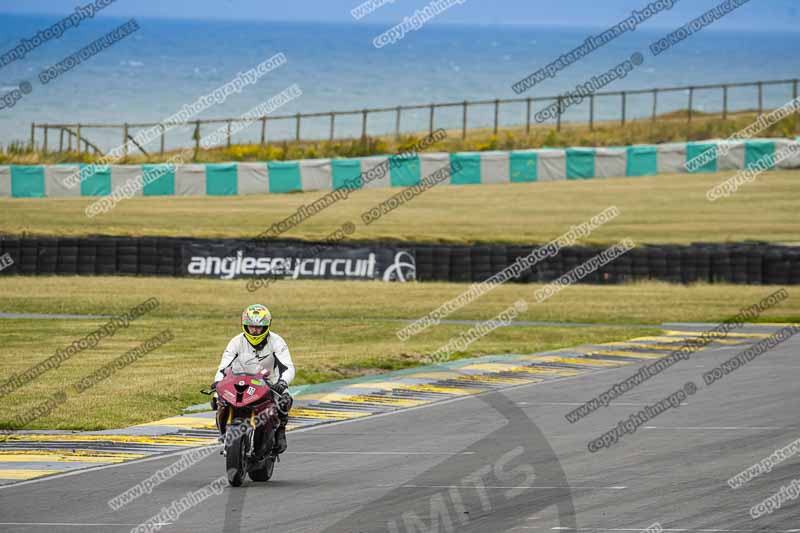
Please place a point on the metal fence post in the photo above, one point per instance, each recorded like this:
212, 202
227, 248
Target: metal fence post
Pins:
297, 130
624, 107
125, 140
591, 112
496, 114
794, 97
44, 147
263, 131
528, 116
79, 139
691, 103
229, 135
464, 120
33, 135
397, 123
364, 124
760, 98
163, 133
430, 125
724, 102
333, 126
61, 141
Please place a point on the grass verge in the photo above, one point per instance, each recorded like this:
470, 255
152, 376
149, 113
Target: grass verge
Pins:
334, 329
658, 209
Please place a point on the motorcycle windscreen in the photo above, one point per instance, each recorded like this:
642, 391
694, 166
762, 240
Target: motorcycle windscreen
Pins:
251, 366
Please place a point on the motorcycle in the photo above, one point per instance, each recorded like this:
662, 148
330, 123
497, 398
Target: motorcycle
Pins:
251, 414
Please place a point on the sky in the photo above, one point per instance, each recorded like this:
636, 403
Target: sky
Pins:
757, 15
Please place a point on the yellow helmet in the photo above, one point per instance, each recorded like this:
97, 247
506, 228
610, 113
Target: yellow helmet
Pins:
256, 316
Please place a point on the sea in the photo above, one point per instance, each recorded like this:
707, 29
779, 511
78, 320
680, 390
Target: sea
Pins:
166, 64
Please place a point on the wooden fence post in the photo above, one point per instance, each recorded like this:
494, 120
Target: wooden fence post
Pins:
397, 123
724, 102
794, 97
624, 107
655, 104
196, 137
464, 120
558, 115
364, 124
528, 103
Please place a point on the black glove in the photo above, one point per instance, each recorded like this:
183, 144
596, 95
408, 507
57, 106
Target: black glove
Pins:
280, 387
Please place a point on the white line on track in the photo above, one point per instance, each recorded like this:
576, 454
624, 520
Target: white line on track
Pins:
698, 530
405, 486
379, 453
69, 524
719, 428
584, 403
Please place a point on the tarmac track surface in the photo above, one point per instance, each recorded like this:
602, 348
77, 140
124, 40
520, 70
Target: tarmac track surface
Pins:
500, 461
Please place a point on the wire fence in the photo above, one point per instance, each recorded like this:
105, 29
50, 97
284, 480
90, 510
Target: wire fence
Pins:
513, 112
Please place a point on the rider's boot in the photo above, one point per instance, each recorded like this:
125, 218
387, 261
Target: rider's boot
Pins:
222, 414
280, 438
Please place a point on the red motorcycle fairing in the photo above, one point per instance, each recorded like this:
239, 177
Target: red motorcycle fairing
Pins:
242, 390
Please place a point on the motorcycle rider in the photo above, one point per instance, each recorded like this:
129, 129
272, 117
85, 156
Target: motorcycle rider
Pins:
257, 343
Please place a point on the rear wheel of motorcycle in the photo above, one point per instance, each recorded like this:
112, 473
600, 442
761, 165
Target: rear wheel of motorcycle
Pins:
234, 460
263, 474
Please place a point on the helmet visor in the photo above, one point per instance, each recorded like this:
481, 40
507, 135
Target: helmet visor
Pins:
255, 330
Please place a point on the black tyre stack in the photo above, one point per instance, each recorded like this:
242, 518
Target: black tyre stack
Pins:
106, 256
754, 265
497, 258
480, 258
738, 255
460, 264
67, 257
441, 263
776, 267
640, 265
167, 258
743, 263
703, 255
10, 246
148, 257
528, 275
127, 256
688, 267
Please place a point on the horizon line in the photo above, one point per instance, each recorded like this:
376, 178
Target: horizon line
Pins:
470, 24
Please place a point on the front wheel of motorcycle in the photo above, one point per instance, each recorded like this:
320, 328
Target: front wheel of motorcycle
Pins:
234, 458
263, 474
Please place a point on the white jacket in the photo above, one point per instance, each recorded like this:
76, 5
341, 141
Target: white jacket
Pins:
274, 355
